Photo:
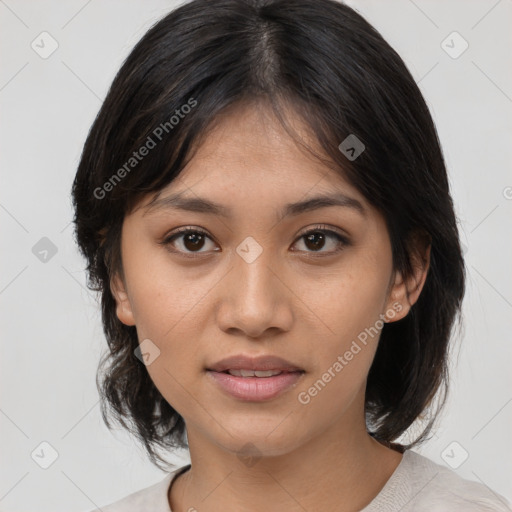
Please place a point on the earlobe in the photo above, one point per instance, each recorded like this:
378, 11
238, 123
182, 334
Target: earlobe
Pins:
397, 306
405, 292
123, 307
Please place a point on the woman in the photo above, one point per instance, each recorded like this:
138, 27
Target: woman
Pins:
264, 206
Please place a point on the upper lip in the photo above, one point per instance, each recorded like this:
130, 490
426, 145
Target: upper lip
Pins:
242, 362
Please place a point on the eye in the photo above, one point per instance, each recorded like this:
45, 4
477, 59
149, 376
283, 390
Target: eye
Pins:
317, 238
191, 240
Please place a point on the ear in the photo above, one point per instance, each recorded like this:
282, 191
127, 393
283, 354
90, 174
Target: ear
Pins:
405, 292
123, 309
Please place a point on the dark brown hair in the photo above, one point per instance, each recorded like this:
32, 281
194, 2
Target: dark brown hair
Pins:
326, 62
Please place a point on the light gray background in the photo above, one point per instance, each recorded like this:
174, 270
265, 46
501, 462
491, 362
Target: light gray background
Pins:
51, 332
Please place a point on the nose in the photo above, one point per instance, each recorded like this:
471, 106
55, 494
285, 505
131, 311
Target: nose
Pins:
255, 298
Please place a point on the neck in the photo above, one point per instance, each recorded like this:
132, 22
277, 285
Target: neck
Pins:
340, 469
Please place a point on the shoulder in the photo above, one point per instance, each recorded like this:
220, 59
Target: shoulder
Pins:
428, 486
153, 497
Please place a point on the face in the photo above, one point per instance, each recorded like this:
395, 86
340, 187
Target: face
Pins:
310, 285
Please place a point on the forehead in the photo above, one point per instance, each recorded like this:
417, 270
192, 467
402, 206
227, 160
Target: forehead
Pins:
252, 132
247, 152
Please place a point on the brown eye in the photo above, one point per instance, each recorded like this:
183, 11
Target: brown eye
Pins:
193, 241
316, 239
187, 241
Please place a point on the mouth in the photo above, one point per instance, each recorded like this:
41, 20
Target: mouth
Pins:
245, 366
254, 379
253, 388
257, 373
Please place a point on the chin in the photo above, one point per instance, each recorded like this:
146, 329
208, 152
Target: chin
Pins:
254, 440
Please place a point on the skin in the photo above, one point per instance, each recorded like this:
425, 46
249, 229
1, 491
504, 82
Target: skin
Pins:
289, 302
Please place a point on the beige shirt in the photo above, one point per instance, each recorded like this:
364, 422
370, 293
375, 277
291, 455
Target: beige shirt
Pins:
417, 485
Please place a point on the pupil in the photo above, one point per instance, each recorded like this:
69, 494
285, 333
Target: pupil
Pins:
196, 241
318, 240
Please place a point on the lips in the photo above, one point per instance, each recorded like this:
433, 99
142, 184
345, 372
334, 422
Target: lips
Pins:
245, 366
254, 389
254, 379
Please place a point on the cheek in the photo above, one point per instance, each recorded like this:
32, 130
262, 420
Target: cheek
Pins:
349, 306
162, 294
348, 300
168, 304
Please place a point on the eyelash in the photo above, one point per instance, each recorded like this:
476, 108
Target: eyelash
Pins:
342, 240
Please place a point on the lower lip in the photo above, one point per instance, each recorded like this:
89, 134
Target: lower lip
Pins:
255, 389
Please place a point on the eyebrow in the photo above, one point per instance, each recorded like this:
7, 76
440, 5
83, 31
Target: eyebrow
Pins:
196, 204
